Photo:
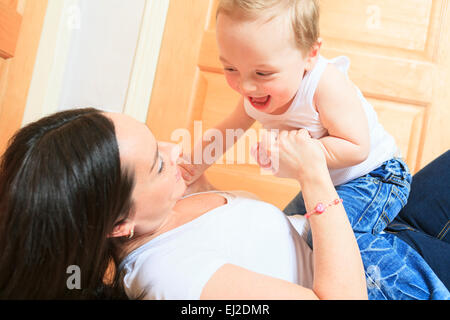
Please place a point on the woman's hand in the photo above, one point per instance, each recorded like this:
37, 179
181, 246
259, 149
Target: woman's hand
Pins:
294, 154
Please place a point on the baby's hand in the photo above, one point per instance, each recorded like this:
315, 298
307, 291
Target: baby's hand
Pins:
295, 153
190, 172
200, 185
260, 155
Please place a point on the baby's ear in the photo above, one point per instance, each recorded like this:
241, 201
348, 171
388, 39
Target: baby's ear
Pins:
319, 43
313, 54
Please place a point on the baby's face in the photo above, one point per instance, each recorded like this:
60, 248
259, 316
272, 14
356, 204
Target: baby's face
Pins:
261, 60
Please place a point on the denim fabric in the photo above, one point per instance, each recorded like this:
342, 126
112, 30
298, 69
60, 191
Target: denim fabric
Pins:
424, 222
435, 252
393, 269
371, 201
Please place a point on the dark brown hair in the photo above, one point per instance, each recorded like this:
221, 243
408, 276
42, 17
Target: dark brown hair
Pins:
62, 190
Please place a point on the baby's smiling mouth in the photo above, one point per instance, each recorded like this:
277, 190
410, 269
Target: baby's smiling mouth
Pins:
259, 102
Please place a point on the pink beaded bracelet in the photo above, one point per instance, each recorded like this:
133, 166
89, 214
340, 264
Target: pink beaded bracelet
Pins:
320, 208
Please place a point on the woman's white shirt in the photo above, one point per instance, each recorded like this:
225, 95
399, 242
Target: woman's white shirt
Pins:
245, 232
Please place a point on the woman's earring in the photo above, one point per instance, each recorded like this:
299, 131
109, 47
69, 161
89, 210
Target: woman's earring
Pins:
131, 234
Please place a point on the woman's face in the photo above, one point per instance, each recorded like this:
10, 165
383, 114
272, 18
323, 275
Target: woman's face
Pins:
158, 181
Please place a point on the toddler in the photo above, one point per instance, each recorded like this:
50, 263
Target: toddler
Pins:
270, 51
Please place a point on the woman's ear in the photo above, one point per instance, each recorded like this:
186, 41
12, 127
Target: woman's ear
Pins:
124, 229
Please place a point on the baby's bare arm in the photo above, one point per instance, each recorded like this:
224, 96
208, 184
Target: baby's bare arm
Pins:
342, 114
237, 120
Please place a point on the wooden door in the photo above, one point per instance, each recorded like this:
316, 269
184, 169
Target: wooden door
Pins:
400, 59
21, 23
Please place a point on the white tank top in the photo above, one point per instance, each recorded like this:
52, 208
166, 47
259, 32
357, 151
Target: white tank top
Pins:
245, 232
302, 114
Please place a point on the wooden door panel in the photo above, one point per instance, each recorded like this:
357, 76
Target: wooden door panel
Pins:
405, 122
387, 23
10, 21
399, 52
219, 101
408, 29
396, 79
3, 72
178, 88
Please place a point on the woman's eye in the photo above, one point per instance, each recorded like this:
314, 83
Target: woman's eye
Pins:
161, 165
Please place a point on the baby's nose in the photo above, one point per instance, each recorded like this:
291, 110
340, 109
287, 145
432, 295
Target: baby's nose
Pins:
248, 87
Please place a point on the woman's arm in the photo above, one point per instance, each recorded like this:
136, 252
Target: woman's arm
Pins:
338, 269
232, 282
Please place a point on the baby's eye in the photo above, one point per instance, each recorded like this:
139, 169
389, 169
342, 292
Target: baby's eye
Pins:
264, 74
229, 69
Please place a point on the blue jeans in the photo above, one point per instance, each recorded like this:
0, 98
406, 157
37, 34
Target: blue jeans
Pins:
424, 223
393, 269
371, 201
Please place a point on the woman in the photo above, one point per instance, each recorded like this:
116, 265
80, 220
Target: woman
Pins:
86, 188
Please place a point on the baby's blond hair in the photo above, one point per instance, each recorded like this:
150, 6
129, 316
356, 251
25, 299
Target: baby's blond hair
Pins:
304, 15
